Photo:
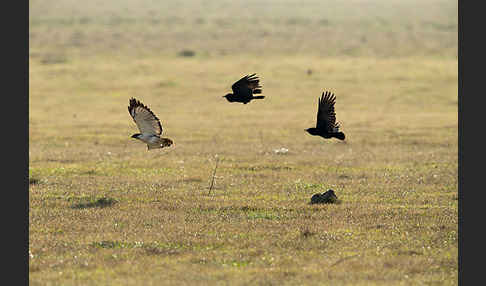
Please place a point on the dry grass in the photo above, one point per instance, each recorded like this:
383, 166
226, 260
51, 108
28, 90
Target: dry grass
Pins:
105, 211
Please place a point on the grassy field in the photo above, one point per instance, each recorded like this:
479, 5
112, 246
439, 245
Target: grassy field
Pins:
105, 211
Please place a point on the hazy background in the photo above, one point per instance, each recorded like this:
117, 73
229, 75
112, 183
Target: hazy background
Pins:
371, 28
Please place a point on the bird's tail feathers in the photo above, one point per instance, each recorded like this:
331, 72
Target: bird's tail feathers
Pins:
166, 142
161, 143
339, 135
257, 91
259, 97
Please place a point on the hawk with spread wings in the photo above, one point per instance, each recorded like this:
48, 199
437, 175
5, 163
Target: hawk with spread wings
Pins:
148, 124
326, 125
244, 89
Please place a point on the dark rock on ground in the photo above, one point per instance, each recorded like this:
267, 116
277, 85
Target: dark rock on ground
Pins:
328, 197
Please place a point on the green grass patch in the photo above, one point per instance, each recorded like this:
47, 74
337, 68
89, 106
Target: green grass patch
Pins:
93, 202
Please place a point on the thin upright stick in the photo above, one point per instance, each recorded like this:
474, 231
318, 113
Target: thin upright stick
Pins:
214, 173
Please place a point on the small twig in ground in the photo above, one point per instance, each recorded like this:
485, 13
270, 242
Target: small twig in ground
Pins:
343, 259
261, 140
214, 173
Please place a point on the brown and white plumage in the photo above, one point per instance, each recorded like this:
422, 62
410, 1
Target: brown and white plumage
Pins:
148, 124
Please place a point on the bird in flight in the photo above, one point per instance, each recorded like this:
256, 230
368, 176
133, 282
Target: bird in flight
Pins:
148, 124
244, 89
326, 125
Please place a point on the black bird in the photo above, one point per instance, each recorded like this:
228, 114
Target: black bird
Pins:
244, 89
326, 125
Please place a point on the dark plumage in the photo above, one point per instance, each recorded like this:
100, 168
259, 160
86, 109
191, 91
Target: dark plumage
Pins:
244, 89
326, 125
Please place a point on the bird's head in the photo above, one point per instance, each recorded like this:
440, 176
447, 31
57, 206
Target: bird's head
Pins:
312, 131
136, 135
229, 97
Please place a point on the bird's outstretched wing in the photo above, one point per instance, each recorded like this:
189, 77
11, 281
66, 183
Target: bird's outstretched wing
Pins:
247, 85
145, 119
326, 116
